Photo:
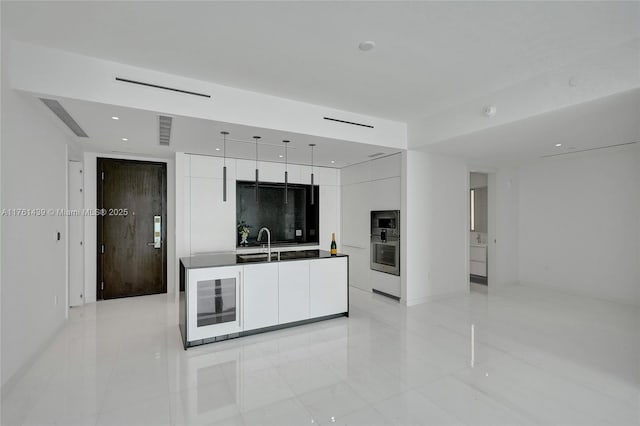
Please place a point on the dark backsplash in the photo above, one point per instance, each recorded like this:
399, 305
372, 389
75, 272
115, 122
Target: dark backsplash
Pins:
283, 220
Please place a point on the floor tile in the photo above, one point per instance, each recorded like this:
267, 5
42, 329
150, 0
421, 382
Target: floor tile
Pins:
331, 402
288, 412
412, 408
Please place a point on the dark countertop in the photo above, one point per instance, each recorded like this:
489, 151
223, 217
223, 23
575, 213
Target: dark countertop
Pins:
232, 259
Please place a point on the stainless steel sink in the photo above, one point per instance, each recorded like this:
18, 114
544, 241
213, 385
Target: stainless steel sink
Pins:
283, 255
256, 257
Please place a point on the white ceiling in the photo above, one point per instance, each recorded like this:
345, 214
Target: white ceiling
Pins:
430, 55
604, 122
199, 136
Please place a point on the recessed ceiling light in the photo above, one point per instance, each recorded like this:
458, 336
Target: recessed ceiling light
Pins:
490, 110
115, 118
365, 46
125, 139
281, 156
333, 162
558, 145
217, 149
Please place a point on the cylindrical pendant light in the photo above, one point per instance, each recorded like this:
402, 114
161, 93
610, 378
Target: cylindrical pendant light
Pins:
286, 173
313, 201
257, 176
224, 167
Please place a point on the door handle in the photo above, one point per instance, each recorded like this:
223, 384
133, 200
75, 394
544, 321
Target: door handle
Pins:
157, 232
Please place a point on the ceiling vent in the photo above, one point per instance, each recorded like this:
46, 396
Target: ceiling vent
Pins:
157, 86
377, 154
164, 127
64, 116
348, 122
575, 151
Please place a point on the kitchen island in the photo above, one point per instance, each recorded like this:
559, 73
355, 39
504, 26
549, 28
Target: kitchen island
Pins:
229, 295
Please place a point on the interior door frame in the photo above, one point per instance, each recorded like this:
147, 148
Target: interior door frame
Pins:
491, 222
100, 225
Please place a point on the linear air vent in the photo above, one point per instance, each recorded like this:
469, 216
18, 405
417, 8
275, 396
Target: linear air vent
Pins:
588, 149
164, 129
348, 122
157, 86
64, 116
377, 154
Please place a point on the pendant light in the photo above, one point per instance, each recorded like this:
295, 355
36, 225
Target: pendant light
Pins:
257, 178
286, 173
224, 167
312, 188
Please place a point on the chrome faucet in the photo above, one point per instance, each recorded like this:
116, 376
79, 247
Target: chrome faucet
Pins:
268, 242
479, 238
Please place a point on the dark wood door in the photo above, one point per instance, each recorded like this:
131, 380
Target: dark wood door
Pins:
131, 196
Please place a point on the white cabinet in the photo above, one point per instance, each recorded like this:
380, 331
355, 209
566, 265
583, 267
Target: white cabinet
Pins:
211, 220
328, 286
293, 292
478, 260
478, 253
260, 295
478, 268
268, 172
209, 167
356, 215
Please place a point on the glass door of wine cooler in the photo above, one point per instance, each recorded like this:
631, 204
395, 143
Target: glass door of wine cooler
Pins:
214, 302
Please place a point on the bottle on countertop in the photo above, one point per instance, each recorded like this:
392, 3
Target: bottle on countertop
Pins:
334, 247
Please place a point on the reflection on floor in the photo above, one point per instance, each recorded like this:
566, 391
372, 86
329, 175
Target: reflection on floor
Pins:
481, 288
534, 357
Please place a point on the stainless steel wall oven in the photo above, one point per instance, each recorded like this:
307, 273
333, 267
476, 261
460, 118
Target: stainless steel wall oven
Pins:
385, 241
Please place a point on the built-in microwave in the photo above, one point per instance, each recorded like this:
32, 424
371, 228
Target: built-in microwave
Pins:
385, 241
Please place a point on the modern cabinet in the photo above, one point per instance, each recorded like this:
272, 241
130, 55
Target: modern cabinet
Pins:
328, 287
293, 294
211, 220
260, 296
478, 260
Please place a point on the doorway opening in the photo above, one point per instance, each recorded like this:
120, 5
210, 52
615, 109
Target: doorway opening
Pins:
131, 234
478, 228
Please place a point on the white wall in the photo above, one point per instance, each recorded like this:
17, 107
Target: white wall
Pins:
435, 201
91, 222
34, 266
506, 229
372, 185
579, 223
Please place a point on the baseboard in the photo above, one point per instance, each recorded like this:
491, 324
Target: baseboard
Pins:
436, 297
6, 388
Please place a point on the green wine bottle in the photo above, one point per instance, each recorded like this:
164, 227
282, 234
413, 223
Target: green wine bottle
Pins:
334, 247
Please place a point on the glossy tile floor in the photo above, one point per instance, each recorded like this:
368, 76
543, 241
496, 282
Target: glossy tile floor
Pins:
518, 357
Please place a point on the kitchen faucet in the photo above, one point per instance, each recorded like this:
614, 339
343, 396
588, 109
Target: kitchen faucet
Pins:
478, 236
268, 242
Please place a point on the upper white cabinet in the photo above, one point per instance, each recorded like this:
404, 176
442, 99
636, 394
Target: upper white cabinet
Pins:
268, 172
385, 194
260, 295
328, 287
293, 291
274, 172
209, 167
